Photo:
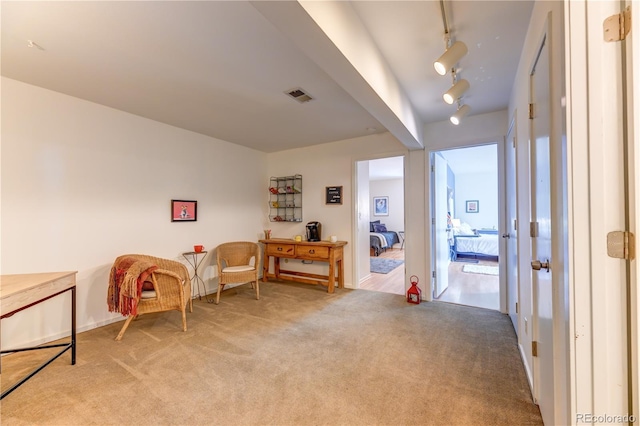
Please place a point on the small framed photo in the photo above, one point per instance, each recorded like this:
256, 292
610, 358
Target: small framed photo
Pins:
473, 206
381, 206
184, 211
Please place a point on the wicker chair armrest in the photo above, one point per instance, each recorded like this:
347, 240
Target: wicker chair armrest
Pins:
172, 274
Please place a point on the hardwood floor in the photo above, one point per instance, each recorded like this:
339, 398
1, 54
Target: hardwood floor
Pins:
465, 288
472, 289
393, 282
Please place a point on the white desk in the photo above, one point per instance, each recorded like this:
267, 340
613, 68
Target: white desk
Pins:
21, 291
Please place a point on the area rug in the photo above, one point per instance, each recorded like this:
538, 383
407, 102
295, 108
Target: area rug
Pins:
480, 269
384, 266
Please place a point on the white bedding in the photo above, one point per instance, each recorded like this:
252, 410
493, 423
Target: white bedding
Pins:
482, 244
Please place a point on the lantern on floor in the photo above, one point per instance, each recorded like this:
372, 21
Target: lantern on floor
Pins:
414, 292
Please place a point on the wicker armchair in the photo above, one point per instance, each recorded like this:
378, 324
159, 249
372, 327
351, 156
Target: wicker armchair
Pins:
234, 265
172, 289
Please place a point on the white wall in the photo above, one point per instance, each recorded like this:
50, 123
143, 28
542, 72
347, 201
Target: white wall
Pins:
333, 164
482, 187
83, 183
394, 189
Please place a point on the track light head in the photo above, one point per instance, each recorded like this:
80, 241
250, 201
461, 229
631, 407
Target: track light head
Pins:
456, 91
450, 57
459, 114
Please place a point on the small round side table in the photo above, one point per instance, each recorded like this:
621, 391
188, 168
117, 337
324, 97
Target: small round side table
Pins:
194, 262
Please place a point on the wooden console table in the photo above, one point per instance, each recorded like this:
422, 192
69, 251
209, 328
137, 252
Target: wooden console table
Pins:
19, 292
322, 251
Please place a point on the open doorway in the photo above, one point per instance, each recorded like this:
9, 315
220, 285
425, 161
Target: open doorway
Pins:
381, 196
466, 239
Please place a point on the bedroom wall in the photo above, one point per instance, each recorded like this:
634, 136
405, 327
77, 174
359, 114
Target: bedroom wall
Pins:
84, 183
394, 189
482, 187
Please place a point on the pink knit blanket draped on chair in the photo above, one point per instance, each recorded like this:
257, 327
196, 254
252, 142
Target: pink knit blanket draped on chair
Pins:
125, 284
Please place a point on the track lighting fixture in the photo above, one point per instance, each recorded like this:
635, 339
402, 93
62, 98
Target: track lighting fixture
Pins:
456, 91
461, 112
450, 57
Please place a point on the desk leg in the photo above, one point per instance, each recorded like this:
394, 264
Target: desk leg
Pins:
73, 325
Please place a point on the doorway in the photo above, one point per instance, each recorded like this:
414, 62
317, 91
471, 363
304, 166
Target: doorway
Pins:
381, 203
466, 221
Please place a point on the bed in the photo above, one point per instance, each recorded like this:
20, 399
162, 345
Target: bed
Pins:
481, 244
380, 238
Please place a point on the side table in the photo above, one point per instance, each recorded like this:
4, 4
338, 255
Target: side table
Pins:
194, 261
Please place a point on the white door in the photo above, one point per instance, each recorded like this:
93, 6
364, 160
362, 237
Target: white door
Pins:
441, 241
511, 234
540, 231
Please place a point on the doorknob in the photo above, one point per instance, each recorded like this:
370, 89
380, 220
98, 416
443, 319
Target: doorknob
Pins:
537, 265
506, 235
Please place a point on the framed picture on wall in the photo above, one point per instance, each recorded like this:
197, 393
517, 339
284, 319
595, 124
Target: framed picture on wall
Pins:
381, 206
473, 206
184, 211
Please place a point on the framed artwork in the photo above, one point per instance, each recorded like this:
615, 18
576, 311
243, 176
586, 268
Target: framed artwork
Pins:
381, 206
473, 206
184, 211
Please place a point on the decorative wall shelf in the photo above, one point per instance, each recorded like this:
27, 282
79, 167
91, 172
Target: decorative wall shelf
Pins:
285, 198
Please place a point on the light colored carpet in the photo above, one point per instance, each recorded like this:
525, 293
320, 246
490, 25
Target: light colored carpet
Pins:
297, 356
481, 269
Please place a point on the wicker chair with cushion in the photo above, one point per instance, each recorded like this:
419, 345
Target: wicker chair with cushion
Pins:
238, 262
166, 287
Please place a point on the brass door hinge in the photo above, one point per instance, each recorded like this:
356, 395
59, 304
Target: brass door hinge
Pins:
534, 348
621, 245
531, 112
533, 229
616, 27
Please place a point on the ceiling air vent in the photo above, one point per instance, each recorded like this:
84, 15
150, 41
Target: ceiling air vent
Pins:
299, 95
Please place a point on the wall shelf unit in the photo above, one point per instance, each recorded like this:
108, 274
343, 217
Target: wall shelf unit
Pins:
285, 198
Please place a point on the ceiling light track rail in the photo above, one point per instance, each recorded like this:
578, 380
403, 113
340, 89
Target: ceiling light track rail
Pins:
446, 63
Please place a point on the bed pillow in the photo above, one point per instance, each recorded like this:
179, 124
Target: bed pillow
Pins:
379, 227
371, 225
464, 229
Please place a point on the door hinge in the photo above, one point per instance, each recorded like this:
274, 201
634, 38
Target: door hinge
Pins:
433, 220
531, 116
433, 274
621, 245
517, 310
533, 229
515, 224
616, 27
534, 348
433, 168
513, 141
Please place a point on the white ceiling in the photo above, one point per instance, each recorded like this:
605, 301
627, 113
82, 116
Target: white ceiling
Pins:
221, 68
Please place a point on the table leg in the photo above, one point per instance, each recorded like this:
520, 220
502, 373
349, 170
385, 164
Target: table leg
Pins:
340, 274
73, 325
276, 267
265, 270
332, 276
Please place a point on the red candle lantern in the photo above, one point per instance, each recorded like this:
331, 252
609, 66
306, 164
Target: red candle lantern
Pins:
414, 292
